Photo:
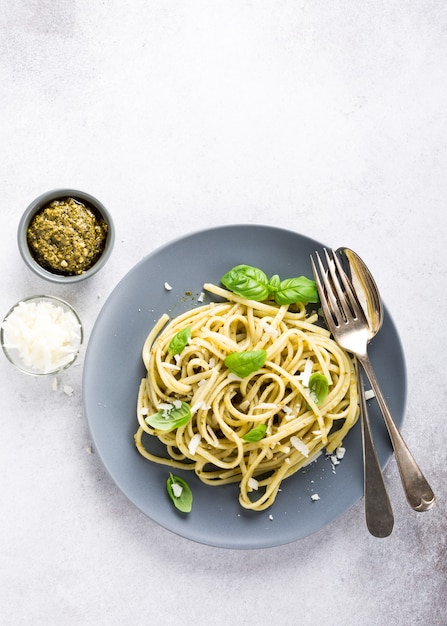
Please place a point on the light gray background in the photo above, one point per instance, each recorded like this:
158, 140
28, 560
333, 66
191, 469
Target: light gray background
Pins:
328, 118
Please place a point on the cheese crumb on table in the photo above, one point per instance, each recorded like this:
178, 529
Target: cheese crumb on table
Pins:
68, 390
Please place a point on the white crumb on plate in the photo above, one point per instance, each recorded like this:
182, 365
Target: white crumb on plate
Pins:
340, 452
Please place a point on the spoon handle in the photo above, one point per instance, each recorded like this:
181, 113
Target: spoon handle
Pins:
417, 490
378, 512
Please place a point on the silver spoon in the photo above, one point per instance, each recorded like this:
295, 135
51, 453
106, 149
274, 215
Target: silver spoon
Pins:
419, 493
378, 512
365, 288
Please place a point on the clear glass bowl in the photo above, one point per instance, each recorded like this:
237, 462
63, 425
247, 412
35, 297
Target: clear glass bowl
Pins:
41, 335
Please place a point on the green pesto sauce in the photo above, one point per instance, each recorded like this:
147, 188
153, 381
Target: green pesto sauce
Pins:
67, 237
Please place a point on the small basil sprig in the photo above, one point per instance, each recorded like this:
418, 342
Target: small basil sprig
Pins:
248, 282
180, 493
299, 289
169, 418
255, 434
242, 364
179, 341
318, 387
252, 283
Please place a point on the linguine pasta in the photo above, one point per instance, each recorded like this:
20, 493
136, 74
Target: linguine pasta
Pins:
225, 408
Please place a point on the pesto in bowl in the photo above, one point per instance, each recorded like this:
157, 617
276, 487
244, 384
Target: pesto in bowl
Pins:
65, 235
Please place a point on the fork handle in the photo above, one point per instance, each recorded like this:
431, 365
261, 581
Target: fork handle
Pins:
378, 512
417, 490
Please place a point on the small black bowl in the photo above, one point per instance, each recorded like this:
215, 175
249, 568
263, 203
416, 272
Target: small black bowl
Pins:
44, 270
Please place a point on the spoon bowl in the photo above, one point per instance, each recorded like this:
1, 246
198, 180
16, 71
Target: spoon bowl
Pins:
365, 288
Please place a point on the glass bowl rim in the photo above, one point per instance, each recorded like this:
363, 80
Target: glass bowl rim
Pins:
42, 297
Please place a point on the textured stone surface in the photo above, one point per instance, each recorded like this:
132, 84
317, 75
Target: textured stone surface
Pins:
328, 118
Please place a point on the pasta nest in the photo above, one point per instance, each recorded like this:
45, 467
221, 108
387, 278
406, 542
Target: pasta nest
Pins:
224, 407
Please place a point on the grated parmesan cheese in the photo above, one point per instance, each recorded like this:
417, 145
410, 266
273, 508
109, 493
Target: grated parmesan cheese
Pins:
299, 445
176, 489
340, 452
46, 336
269, 329
200, 405
171, 366
253, 483
306, 373
68, 390
194, 443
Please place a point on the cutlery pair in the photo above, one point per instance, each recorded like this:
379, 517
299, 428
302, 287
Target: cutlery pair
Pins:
351, 329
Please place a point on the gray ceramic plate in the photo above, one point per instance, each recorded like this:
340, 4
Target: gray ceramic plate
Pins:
113, 370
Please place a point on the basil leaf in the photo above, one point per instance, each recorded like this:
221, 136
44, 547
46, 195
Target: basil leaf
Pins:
299, 289
274, 283
180, 493
256, 434
171, 417
318, 387
179, 341
247, 281
244, 363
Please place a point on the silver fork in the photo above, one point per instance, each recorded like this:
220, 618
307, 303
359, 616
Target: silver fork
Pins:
347, 322
378, 512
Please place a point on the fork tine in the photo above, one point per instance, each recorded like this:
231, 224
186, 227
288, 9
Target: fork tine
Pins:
332, 269
337, 296
328, 300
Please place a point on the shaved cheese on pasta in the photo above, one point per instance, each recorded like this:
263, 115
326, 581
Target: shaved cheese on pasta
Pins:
305, 375
194, 443
299, 445
225, 408
253, 484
